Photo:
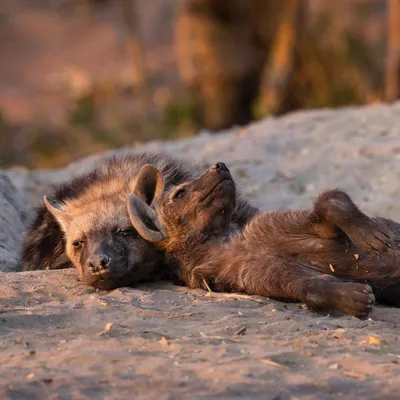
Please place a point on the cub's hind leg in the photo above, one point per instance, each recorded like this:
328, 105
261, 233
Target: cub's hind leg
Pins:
334, 211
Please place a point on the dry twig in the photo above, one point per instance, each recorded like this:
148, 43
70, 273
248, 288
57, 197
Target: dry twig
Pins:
353, 375
273, 363
233, 296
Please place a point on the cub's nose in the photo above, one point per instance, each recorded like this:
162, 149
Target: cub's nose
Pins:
98, 263
220, 166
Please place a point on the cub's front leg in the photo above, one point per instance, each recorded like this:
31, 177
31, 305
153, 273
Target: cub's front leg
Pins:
284, 279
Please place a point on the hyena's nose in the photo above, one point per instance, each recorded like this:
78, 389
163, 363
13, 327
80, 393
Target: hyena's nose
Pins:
220, 166
98, 263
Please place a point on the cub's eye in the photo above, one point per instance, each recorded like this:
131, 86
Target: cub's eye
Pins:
179, 194
78, 244
126, 232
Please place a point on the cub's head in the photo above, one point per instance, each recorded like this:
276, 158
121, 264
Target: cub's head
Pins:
100, 240
189, 213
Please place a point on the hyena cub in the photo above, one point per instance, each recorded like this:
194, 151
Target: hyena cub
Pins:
301, 255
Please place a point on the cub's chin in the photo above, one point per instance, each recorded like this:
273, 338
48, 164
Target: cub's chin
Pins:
222, 216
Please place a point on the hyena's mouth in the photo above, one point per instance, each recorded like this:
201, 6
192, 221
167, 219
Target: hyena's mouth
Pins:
102, 275
225, 180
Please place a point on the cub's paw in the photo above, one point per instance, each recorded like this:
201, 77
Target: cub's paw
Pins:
355, 299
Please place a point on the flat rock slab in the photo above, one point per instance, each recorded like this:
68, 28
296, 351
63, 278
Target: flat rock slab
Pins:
60, 339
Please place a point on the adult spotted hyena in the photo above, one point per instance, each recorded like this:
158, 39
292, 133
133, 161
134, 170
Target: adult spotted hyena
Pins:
85, 222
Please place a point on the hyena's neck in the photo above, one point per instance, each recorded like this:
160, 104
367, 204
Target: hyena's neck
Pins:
189, 253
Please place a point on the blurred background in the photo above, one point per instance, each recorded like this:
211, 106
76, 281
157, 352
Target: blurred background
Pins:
82, 76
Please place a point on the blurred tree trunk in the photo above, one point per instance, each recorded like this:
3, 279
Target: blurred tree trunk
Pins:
279, 69
221, 48
392, 84
84, 8
135, 51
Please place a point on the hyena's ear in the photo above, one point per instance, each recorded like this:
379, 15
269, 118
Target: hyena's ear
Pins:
145, 220
55, 208
149, 184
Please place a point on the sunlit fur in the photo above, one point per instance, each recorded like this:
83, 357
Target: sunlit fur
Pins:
95, 208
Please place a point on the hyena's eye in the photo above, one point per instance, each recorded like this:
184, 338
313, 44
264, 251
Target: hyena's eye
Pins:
179, 193
78, 244
126, 232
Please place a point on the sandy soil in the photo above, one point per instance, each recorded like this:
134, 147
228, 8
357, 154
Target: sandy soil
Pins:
60, 339
168, 342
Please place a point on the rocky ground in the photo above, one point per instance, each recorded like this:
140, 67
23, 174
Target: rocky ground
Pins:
60, 339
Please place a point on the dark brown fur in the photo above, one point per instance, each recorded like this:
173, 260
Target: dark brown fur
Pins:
96, 206
323, 257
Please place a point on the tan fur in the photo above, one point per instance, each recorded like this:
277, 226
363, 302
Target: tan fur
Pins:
92, 208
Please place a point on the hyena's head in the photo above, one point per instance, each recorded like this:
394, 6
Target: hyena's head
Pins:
100, 240
192, 212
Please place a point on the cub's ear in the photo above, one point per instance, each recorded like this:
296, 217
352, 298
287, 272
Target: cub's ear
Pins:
149, 184
55, 208
145, 220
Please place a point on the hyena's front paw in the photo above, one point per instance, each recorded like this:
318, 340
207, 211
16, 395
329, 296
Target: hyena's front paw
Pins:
355, 299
